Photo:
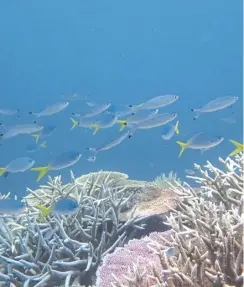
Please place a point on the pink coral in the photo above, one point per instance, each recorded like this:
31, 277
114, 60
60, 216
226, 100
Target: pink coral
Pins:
137, 257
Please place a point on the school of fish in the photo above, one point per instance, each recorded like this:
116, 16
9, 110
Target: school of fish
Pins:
130, 118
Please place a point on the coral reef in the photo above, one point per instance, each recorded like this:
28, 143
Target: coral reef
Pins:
65, 248
206, 236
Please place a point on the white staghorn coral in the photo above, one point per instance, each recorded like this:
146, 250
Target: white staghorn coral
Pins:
207, 234
63, 248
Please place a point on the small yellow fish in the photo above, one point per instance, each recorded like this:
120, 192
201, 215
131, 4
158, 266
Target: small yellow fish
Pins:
45, 211
239, 148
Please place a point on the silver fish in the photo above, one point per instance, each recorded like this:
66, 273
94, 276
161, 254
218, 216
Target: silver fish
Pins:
157, 102
215, 105
13, 131
157, 121
52, 109
200, 141
8, 112
20, 164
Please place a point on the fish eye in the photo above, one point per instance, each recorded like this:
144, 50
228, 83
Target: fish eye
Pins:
175, 97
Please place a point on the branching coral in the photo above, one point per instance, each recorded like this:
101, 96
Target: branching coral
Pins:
207, 235
64, 248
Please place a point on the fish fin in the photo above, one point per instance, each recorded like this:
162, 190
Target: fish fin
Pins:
239, 148
176, 128
36, 136
44, 210
198, 113
96, 127
204, 149
75, 123
2, 170
183, 147
42, 171
123, 124
43, 144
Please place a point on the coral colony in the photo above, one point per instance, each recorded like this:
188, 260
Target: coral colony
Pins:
106, 243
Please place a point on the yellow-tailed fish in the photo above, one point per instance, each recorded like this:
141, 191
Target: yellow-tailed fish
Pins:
20, 164
215, 105
136, 119
64, 160
157, 121
106, 121
112, 143
157, 102
35, 147
170, 130
52, 109
45, 132
16, 130
201, 141
239, 147
45, 211
96, 110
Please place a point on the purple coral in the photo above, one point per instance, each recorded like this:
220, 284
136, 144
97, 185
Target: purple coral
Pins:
122, 261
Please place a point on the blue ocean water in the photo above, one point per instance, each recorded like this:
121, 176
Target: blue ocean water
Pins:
124, 52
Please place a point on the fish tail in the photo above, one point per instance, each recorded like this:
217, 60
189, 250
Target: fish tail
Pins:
198, 113
75, 123
123, 124
44, 210
183, 147
42, 171
36, 136
96, 127
176, 128
2, 170
43, 144
239, 148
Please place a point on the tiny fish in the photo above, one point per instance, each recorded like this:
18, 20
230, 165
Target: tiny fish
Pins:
200, 141
170, 130
157, 102
8, 112
52, 109
215, 105
96, 110
239, 147
73, 97
20, 164
64, 160
112, 143
91, 158
189, 171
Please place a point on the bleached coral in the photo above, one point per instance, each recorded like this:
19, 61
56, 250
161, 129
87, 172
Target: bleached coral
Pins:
207, 230
63, 248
